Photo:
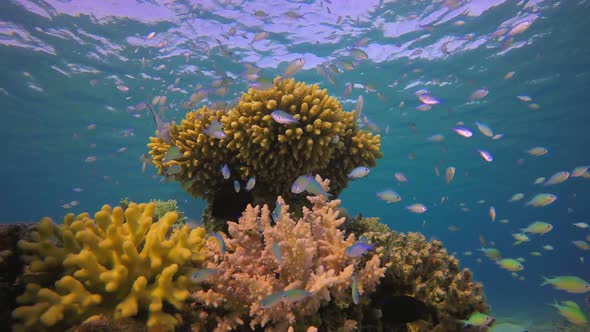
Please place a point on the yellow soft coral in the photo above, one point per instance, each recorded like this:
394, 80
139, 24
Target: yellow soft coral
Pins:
117, 264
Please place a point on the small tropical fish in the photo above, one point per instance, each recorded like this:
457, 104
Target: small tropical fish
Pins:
487, 156
479, 94
423, 108
389, 196
203, 274
510, 264
524, 98
536, 254
428, 99
272, 300
436, 138
572, 312
358, 172
579, 171
221, 241
492, 253
276, 213
417, 208
294, 67
516, 197
581, 225
173, 170
484, 129
538, 227
225, 171
537, 151
400, 177
215, 130
519, 28
259, 36
151, 35
358, 249
355, 290
161, 126
570, 284
557, 178
173, 153
359, 107
359, 54
462, 131
497, 136
583, 245
449, 174
542, 199
314, 187
539, 180
300, 184
250, 184
520, 238
237, 186
492, 213
509, 75
479, 320
347, 90
277, 252
548, 247
295, 295
283, 117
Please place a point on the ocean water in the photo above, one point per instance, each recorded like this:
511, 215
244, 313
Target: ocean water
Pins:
63, 66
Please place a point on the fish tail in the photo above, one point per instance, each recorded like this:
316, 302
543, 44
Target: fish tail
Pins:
545, 281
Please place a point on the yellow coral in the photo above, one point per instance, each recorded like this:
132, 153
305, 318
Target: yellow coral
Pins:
202, 155
117, 264
326, 140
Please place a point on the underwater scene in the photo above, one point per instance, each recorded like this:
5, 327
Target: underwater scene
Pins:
295, 165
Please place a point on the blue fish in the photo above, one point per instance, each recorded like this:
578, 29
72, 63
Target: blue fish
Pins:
163, 128
272, 300
237, 186
225, 171
220, 241
295, 295
358, 249
215, 130
300, 184
283, 117
277, 251
355, 290
314, 187
203, 274
276, 213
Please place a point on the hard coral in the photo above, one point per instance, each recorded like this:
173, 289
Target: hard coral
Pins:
119, 264
325, 140
262, 259
202, 155
423, 270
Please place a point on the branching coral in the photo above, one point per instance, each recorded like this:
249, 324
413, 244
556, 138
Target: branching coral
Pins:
424, 270
199, 166
119, 264
324, 140
263, 259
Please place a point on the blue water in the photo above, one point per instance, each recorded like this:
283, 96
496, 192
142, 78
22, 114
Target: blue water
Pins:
61, 62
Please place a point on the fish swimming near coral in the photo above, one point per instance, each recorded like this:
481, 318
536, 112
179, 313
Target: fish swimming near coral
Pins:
402, 309
162, 127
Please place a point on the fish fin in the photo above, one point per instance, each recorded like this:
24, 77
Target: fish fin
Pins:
545, 281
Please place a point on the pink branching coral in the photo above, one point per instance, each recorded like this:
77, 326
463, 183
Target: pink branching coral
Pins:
263, 258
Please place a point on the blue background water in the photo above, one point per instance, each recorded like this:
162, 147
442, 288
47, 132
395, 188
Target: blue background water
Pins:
45, 114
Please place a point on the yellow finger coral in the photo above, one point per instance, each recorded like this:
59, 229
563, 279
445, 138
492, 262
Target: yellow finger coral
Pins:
118, 265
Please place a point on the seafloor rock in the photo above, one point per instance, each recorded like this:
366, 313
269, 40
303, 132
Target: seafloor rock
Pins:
11, 268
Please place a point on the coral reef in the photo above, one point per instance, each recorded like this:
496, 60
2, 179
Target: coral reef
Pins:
424, 270
307, 255
324, 139
119, 265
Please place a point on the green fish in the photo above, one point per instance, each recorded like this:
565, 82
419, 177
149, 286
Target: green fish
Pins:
570, 284
478, 319
572, 312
